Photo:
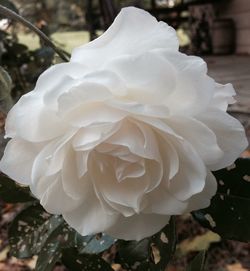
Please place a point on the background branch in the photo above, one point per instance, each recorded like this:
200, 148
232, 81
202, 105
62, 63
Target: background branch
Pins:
14, 16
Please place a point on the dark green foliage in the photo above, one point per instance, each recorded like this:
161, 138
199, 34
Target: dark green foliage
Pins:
50, 253
152, 253
5, 91
229, 212
30, 230
84, 262
35, 232
94, 244
11, 192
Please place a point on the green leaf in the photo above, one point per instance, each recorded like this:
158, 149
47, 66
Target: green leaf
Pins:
198, 263
5, 90
229, 212
35, 232
83, 262
30, 230
11, 192
51, 251
94, 244
5, 83
151, 253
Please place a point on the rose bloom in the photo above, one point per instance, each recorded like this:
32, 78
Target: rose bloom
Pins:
124, 135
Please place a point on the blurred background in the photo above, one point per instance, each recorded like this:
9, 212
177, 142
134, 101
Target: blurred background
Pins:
217, 30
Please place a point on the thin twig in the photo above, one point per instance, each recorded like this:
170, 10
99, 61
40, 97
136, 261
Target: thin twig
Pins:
13, 15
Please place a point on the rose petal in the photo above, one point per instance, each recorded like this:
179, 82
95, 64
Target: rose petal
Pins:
169, 157
135, 108
194, 89
202, 200
81, 96
160, 201
50, 159
223, 96
191, 176
133, 31
89, 137
108, 79
230, 136
149, 77
50, 78
90, 217
34, 125
73, 186
128, 193
60, 203
18, 159
142, 143
57, 80
200, 136
93, 114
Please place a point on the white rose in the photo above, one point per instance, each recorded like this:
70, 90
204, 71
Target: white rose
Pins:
125, 134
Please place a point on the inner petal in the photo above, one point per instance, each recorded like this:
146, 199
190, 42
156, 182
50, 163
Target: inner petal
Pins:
128, 193
125, 169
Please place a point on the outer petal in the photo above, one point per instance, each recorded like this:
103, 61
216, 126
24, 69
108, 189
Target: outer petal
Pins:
32, 121
160, 201
86, 93
133, 31
95, 87
190, 178
200, 136
202, 200
57, 80
18, 159
149, 77
50, 159
137, 227
49, 79
194, 89
230, 135
93, 114
90, 217
223, 96
54, 199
